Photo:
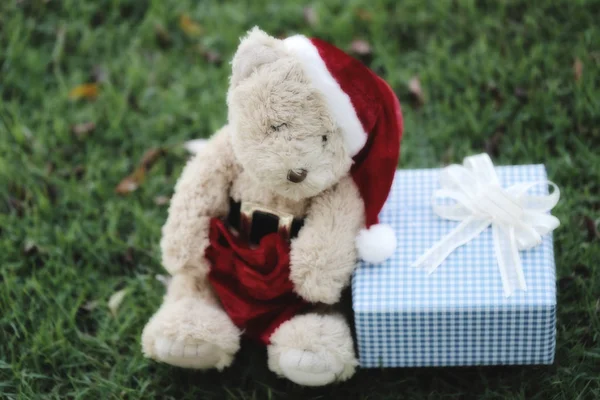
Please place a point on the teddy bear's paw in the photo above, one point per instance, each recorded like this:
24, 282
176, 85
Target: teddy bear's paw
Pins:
201, 355
308, 368
190, 333
313, 350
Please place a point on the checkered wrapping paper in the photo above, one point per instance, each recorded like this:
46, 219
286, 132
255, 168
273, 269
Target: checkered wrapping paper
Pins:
458, 315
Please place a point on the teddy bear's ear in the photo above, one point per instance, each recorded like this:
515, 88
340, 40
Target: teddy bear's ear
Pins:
256, 49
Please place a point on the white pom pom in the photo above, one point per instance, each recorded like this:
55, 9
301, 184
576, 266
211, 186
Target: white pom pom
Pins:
194, 146
376, 244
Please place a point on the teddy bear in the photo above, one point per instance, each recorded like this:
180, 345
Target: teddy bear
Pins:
269, 218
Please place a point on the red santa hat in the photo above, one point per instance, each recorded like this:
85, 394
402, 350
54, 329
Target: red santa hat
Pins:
369, 114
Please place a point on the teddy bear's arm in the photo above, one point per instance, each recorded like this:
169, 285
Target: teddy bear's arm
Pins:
323, 256
201, 193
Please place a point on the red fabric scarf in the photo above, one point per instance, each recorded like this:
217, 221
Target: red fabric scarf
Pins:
253, 284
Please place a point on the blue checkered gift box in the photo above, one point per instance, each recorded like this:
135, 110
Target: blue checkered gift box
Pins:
459, 314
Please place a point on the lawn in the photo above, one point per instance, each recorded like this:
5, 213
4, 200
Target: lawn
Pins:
517, 80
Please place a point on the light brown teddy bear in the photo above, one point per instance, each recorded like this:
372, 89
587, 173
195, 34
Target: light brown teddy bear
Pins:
268, 218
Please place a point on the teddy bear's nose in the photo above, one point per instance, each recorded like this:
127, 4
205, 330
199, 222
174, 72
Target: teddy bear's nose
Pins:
297, 175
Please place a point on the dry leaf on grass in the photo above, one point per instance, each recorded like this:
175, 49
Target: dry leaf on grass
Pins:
115, 301
85, 91
212, 56
414, 86
151, 156
577, 69
135, 179
161, 200
29, 247
90, 305
360, 47
162, 36
310, 16
591, 227
131, 182
364, 15
83, 129
190, 27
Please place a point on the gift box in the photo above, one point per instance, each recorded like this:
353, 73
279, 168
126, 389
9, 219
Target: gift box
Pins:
460, 314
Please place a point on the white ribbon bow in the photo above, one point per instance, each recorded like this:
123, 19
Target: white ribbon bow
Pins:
518, 220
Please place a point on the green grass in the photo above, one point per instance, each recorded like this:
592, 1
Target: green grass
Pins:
498, 74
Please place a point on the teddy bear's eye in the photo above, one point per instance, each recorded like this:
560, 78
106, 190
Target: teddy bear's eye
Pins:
324, 139
277, 128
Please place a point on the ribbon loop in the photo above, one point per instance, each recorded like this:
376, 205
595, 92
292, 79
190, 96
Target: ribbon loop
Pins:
518, 220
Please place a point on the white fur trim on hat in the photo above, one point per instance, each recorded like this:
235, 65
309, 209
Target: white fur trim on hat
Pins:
376, 244
337, 100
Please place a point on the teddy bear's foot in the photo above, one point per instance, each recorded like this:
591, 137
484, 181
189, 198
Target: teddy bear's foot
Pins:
199, 355
313, 350
309, 368
191, 333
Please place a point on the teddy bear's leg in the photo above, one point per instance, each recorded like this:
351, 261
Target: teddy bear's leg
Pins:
313, 350
190, 329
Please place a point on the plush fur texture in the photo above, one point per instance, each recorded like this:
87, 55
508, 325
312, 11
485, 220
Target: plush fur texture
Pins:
324, 256
337, 100
277, 122
313, 350
200, 194
190, 329
282, 123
